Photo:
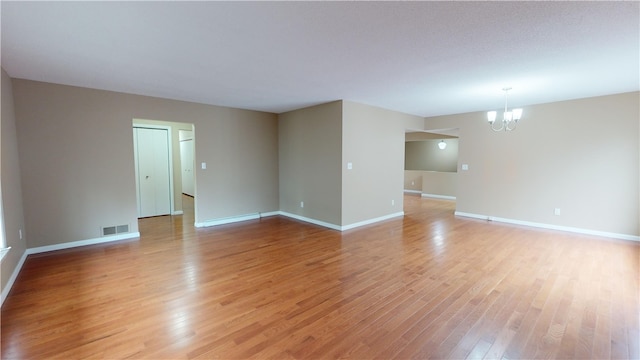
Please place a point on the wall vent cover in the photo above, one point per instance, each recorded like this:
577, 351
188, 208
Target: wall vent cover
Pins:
109, 230
112, 230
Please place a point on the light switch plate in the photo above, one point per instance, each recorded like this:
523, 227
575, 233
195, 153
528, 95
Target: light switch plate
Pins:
465, 167
204, 165
349, 165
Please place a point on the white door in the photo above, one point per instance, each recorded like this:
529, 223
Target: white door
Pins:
186, 159
151, 148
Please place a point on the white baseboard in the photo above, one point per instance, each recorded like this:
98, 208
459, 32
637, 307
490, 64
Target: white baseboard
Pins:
233, 219
271, 213
434, 196
371, 221
255, 216
312, 221
551, 226
413, 191
12, 279
345, 227
69, 245
227, 220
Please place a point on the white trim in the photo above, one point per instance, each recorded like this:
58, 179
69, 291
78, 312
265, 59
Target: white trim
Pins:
4, 252
371, 221
12, 279
178, 212
412, 191
345, 227
270, 213
227, 220
470, 215
551, 226
73, 244
233, 219
434, 196
312, 221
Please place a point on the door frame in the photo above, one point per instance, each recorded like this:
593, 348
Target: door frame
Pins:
193, 158
170, 155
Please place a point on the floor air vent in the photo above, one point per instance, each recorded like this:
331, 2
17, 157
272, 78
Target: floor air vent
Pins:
112, 230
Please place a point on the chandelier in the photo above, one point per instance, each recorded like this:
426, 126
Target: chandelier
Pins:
509, 117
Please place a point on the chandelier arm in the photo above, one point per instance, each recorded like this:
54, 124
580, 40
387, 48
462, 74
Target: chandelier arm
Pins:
508, 128
498, 129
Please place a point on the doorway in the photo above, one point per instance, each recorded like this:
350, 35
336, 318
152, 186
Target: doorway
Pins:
152, 149
176, 172
431, 163
187, 162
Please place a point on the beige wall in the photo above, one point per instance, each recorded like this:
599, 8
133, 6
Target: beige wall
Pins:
435, 183
318, 142
67, 162
175, 156
13, 216
310, 147
426, 155
580, 156
373, 141
431, 182
413, 180
76, 154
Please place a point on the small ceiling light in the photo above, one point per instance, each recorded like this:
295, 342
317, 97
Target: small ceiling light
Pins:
509, 118
442, 145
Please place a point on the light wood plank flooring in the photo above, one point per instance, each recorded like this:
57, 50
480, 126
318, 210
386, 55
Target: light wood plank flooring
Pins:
427, 286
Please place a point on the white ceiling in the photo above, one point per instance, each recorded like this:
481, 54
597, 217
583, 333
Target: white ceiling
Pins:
422, 58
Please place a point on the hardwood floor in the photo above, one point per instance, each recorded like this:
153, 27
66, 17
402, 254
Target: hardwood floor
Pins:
427, 286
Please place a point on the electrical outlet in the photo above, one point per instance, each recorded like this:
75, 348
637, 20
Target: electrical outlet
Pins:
301, 204
20, 233
556, 211
393, 202
413, 183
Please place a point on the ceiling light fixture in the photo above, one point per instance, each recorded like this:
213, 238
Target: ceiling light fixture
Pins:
509, 118
442, 145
